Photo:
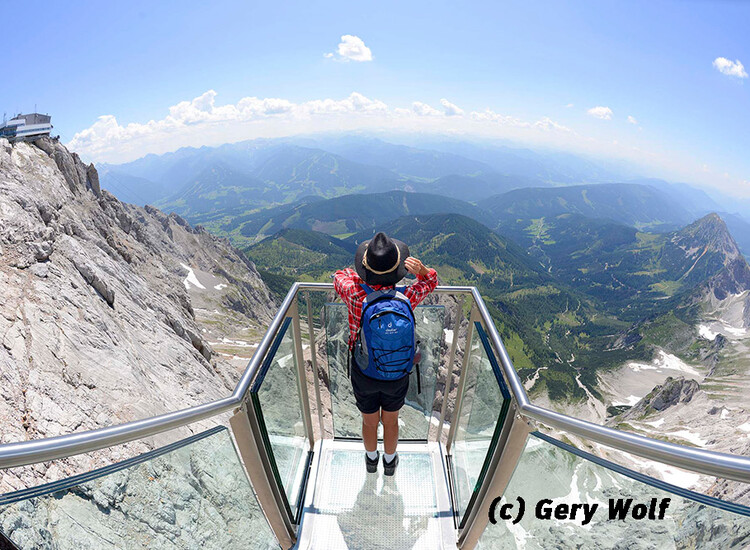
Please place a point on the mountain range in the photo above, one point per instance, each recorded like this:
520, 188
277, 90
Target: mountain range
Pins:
292, 167
578, 295
580, 273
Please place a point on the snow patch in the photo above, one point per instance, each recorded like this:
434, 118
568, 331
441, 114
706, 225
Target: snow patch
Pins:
734, 331
705, 332
664, 360
191, 279
724, 414
670, 474
744, 427
638, 367
448, 336
238, 343
656, 423
692, 437
220, 286
629, 401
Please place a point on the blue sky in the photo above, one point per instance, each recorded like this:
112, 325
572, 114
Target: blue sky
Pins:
537, 73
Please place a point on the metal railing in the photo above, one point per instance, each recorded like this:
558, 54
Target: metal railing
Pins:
699, 460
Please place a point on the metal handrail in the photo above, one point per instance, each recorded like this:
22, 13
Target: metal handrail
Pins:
707, 462
41, 450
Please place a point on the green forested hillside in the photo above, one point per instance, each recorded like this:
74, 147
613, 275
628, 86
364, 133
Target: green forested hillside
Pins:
543, 321
301, 254
343, 216
236, 183
639, 206
634, 274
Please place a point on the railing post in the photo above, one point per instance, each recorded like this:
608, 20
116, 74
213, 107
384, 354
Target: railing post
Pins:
301, 375
451, 360
257, 465
314, 359
461, 379
504, 459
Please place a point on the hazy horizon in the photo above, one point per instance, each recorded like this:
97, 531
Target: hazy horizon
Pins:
662, 86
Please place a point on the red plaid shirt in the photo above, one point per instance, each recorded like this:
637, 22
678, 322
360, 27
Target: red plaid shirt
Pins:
349, 286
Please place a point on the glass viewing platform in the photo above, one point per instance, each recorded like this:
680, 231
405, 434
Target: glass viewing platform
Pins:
282, 465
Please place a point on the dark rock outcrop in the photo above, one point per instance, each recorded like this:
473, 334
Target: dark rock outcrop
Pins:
668, 394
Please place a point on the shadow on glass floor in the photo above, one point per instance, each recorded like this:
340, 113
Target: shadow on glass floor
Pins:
354, 510
377, 519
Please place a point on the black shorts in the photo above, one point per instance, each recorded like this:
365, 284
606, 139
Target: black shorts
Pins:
372, 395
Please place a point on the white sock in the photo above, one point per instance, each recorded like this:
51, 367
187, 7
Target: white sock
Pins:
389, 457
372, 455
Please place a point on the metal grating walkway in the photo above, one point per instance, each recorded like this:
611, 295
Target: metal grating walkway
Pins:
347, 508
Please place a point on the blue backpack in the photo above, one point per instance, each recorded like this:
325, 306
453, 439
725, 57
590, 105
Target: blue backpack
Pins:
386, 344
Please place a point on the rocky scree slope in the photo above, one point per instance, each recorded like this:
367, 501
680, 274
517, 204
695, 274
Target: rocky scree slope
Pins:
97, 322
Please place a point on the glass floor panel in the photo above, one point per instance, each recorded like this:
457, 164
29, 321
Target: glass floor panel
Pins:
347, 508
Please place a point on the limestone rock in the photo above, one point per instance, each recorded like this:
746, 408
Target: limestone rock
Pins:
98, 324
663, 396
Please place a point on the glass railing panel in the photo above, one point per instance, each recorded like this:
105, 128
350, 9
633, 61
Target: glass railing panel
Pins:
414, 419
484, 406
551, 473
275, 395
190, 494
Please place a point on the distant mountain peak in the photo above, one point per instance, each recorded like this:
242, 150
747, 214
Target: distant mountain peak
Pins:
709, 234
708, 242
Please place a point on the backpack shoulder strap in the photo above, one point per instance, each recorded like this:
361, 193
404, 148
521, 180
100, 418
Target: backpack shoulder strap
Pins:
374, 295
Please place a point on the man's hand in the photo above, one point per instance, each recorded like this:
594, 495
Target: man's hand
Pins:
415, 267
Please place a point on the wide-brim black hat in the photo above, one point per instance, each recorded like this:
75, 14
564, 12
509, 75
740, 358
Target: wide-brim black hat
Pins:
380, 261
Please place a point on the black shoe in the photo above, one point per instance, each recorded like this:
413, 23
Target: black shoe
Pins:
389, 468
372, 464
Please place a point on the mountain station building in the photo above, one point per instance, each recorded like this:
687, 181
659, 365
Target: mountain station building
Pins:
26, 127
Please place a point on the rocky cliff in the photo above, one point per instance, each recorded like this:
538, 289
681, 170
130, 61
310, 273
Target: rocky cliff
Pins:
709, 243
108, 312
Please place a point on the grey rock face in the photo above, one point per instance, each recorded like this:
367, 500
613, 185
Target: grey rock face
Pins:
197, 496
663, 396
98, 324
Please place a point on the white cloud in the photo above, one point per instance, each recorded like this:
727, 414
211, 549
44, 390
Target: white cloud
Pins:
569, 105
422, 109
351, 48
203, 121
355, 103
547, 124
450, 108
191, 122
488, 115
632, 120
730, 68
605, 113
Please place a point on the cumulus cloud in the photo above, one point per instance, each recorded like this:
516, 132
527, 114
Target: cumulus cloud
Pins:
351, 48
730, 68
547, 124
450, 108
488, 115
422, 109
188, 119
355, 103
203, 120
605, 113
632, 120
